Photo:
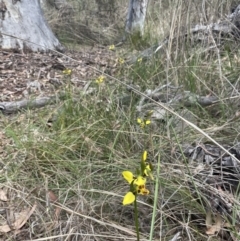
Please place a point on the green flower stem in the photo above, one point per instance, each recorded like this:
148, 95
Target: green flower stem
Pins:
155, 200
136, 218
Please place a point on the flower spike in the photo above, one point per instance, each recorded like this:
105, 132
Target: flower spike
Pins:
144, 156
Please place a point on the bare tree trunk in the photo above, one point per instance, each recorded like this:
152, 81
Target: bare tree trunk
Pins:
136, 17
22, 26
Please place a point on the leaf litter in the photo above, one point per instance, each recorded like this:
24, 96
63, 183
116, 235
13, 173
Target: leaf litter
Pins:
26, 76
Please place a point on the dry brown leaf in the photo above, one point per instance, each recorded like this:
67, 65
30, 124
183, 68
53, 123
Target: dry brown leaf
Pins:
57, 213
5, 228
23, 217
20, 221
3, 195
216, 227
53, 198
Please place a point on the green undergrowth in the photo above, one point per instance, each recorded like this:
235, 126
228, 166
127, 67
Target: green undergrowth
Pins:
88, 140
78, 147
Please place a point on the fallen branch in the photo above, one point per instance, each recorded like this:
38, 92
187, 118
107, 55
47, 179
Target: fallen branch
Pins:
173, 100
15, 106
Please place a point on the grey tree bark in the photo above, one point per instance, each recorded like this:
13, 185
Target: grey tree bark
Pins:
22, 26
136, 17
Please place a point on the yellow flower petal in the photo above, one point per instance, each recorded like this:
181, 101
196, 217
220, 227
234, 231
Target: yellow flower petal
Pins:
139, 120
111, 47
148, 168
139, 181
146, 171
147, 122
144, 156
128, 198
128, 176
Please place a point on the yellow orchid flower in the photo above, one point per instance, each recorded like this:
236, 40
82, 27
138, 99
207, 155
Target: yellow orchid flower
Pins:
121, 61
142, 122
148, 171
137, 186
67, 71
111, 47
146, 166
100, 79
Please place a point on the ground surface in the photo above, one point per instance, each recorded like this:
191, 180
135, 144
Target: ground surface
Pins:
61, 178
29, 76
36, 74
